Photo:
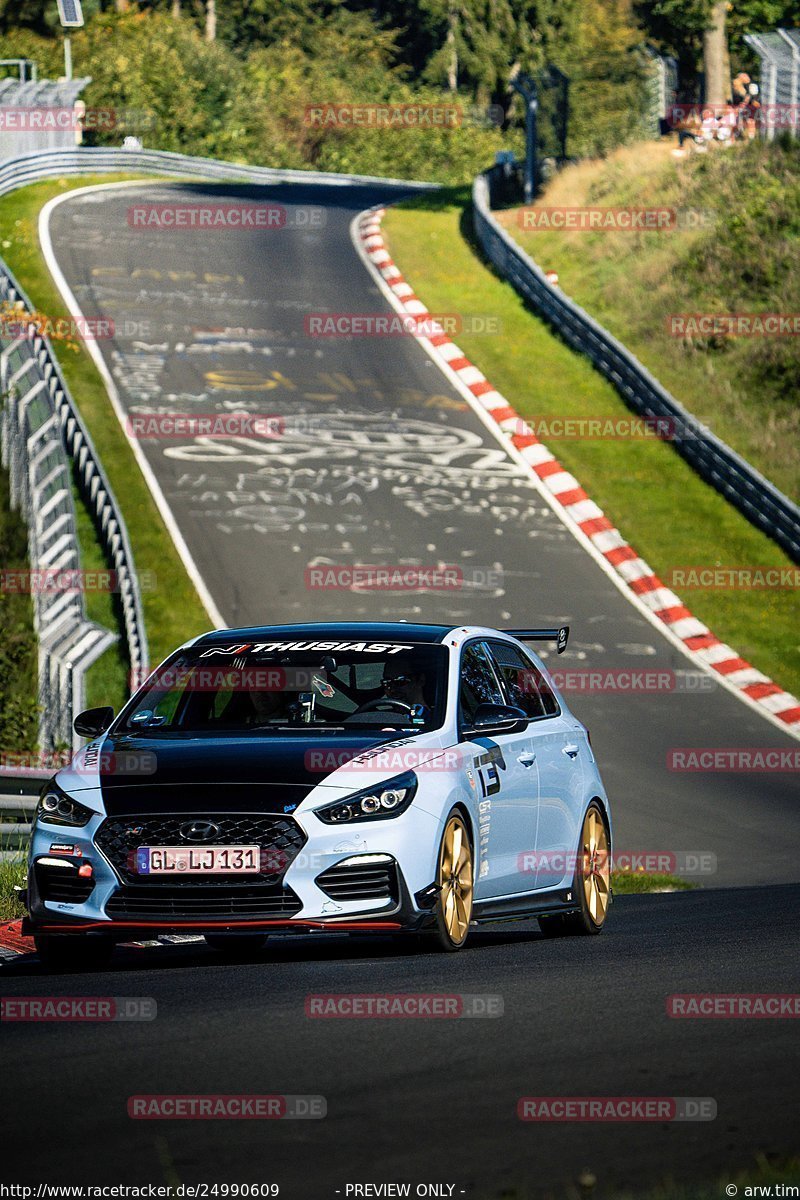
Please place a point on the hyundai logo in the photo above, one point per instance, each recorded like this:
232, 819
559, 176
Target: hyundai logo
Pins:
199, 831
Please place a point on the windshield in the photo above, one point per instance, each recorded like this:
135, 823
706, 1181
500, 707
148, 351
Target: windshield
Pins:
278, 686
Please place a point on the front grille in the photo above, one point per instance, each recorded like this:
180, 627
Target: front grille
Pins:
203, 902
360, 881
280, 839
62, 885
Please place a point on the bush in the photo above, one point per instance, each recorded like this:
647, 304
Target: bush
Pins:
204, 100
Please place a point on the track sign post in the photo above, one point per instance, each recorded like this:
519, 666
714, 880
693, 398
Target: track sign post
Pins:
70, 13
71, 16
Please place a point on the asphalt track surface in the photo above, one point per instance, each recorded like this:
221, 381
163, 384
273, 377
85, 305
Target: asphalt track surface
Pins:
394, 468
420, 481
420, 1100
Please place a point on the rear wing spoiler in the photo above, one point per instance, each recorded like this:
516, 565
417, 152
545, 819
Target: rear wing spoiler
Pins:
560, 636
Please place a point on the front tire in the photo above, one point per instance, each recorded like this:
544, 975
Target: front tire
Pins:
454, 880
591, 882
72, 952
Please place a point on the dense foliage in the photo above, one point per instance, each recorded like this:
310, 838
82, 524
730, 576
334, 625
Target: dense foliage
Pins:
240, 89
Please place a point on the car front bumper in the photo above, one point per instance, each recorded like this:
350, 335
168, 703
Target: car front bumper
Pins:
370, 876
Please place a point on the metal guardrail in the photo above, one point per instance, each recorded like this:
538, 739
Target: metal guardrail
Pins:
19, 793
40, 431
744, 487
40, 420
28, 168
779, 52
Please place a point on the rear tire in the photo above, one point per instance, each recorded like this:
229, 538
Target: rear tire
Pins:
591, 882
454, 879
232, 945
72, 952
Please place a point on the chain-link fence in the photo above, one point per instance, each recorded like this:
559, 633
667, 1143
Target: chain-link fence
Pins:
38, 114
779, 83
662, 92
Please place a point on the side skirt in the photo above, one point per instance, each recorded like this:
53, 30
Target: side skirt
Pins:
520, 908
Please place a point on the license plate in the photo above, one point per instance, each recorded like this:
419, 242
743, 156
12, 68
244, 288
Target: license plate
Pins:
196, 860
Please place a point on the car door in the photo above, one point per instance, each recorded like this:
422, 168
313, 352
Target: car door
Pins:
559, 743
506, 780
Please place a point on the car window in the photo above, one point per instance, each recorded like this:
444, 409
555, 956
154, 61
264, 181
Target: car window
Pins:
231, 688
525, 684
478, 683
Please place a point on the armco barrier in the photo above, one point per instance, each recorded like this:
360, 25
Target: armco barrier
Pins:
19, 793
39, 415
754, 496
45, 164
40, 431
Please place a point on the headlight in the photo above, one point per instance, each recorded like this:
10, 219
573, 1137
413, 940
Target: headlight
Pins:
386, 800
57, 808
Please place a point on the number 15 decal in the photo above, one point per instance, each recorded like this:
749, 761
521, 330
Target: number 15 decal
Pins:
486, 767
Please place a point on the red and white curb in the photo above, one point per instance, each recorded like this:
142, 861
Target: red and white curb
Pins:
566, 495
12, 943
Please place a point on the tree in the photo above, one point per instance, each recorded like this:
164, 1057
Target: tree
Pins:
716, 63
704, 34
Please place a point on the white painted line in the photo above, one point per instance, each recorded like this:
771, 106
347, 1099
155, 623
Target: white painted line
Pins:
155, 488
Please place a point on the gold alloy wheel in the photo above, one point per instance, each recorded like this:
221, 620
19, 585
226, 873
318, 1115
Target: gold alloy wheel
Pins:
455, 880
595, 866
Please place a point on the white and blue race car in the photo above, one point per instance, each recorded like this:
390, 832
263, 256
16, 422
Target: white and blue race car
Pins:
367, 777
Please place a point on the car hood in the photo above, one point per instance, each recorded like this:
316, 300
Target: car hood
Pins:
183, 773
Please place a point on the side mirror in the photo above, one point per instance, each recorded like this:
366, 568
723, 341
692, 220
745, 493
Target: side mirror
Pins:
499, 718
93, 721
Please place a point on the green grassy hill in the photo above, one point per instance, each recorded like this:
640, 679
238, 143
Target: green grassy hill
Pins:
742, 259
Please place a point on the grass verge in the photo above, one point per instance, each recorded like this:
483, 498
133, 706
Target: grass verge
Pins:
635, 883
669, 515
766, 1173
172, 610
733, 251
12, 872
